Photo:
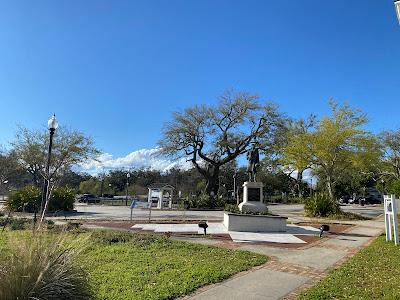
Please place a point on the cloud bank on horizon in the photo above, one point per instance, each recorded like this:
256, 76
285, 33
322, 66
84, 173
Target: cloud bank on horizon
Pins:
139, 159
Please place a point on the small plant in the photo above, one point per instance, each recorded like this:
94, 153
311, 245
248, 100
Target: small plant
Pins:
113, 237
233, 208
43, 268
73, 225
50, 224
321, 205
18, 224
4, 221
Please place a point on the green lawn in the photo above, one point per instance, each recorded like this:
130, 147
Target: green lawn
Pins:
373, 273
153, 267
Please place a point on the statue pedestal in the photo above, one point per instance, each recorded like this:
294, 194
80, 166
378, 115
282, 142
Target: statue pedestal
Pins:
252, 198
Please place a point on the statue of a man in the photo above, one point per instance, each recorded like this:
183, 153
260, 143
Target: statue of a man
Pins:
254, 158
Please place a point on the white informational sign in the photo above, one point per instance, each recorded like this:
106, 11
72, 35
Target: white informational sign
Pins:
391, 218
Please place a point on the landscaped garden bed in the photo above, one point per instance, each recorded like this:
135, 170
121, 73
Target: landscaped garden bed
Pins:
125, 265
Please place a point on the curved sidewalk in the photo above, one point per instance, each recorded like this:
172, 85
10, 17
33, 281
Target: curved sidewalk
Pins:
290, 270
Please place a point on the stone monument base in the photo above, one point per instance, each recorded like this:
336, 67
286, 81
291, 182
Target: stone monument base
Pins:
254, 223
253, 206
252, 198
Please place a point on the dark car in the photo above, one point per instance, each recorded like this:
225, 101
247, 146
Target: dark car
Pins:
344, 199
372, 199
108, 196
88, 198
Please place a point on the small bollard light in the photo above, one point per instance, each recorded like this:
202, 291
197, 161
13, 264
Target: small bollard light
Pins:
204, 225
323, 228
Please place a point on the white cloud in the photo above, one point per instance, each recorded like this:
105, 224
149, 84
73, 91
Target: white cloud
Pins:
143, 158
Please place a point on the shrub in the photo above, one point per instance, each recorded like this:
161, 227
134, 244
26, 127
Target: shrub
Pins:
233, 208
321, 205
394, 188
44, 269
26, 199
18, 223
4, 221
206, 201
62, 198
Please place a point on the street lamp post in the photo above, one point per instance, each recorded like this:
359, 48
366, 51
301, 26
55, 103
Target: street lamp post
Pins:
234, 188
52, 125
397, 7
4, 183
127, 187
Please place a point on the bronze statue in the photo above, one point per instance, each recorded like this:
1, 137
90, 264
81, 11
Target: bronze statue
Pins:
254, 158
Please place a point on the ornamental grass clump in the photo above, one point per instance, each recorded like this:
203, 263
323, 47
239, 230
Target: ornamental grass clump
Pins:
321, 205
42, 267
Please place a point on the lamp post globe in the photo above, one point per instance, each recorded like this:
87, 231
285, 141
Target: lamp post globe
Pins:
52, 123
397, 7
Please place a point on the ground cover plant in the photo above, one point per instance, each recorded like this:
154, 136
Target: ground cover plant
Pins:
125, 265
370, 274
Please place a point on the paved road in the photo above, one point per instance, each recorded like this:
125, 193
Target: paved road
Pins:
85, 211
371, 211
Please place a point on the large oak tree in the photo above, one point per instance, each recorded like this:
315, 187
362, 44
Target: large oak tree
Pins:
211, 136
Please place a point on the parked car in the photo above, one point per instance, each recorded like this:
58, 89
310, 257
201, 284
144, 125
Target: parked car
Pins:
108, 196
344, 199
372, 196
88, 198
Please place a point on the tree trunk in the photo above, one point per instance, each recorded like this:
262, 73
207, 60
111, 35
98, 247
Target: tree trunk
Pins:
329, 186
299, 180
212, 178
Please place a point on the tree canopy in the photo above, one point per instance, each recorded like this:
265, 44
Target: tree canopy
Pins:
338, 143
69, 148
212, 136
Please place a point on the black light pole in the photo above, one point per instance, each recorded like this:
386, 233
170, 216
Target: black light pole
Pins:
127, 186
52, 125
234, 187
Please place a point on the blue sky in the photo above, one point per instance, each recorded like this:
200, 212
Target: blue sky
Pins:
117, 69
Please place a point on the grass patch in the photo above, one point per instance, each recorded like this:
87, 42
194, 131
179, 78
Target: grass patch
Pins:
372, 273
124, 265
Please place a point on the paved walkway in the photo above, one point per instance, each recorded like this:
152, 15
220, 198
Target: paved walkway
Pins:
287, 237
290, 270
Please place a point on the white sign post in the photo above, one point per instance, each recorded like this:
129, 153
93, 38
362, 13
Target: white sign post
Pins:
391, 218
